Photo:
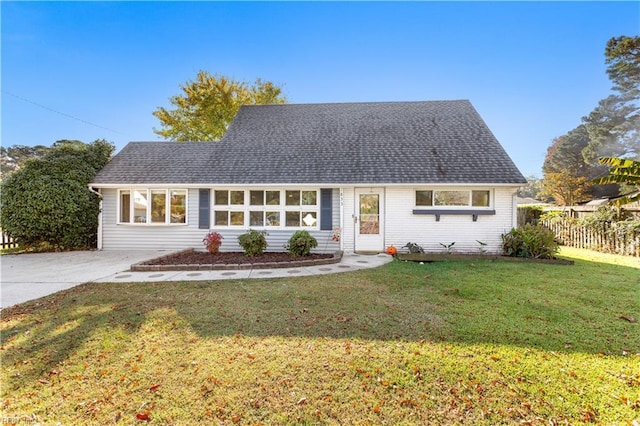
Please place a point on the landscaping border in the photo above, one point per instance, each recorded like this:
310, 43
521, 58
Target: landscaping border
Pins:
141, 267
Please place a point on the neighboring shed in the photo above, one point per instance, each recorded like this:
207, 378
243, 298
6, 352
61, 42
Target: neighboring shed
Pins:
358, 176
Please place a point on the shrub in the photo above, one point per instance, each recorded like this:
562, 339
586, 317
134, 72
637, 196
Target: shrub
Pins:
47, 202
253, 242
533, 241
212, 241
301, 243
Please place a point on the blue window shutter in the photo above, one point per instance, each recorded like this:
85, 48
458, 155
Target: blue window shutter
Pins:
203, 208
326, 209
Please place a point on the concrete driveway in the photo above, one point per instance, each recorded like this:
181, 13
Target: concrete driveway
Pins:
26, 277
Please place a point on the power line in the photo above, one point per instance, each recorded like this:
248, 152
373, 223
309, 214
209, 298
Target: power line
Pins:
61, 113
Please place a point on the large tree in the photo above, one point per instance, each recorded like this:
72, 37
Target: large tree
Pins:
567, 177
14, 157
48, 200
614, 125
208, 104
566, 188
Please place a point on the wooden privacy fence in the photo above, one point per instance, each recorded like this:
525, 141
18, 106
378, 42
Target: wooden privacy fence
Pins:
608, 238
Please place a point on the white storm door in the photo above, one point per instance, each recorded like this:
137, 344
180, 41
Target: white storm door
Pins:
369, 219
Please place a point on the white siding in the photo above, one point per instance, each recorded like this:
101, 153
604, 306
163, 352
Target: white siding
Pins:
177, 237
348, 228
149, 237
402, 226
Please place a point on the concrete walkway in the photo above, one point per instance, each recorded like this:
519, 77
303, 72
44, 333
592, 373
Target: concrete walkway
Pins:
31, 276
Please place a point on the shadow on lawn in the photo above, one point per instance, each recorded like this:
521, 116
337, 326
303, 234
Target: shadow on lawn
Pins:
464, 302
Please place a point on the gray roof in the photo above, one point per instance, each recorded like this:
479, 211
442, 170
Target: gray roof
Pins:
434, 142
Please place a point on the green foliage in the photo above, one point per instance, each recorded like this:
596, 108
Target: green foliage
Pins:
613, 125
565, 153
533, 241
48, 201
552, 215
253, 242
532, 188
301, 243
15, 156
623, 59
529, 214
623, 171
602, 216
205, 109
567, 175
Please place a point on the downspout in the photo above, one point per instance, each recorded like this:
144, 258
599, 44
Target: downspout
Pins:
514, 210
341, 218
99, 243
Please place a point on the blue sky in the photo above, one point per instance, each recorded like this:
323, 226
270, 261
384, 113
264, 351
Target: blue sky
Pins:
93, 70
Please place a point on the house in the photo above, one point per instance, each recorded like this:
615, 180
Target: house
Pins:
358, 176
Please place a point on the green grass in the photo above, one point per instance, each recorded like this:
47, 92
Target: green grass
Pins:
445, 343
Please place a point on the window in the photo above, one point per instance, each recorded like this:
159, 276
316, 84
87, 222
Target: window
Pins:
480, 198
140, 206
258, 208
178, 206
155, 206
424, 198
229, 208
158, 205
125, 206
301, 209
453, 198
261, 210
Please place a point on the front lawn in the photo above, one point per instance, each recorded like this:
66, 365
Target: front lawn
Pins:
473, 342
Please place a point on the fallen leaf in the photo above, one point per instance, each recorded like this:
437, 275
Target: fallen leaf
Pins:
235, 419
629, 318
154, 387
340, 318
143, 416
376, 409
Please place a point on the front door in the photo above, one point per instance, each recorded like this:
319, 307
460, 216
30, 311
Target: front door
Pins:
369, 220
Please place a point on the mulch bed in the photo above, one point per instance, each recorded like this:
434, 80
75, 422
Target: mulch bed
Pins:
229, 258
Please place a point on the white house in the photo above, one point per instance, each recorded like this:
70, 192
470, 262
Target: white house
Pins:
358, 176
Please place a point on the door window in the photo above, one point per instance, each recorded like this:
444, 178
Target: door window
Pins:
369, 214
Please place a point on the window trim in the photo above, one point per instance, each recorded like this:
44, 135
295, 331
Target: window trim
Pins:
148, 218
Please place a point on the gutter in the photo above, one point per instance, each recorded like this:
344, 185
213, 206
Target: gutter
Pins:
99, 242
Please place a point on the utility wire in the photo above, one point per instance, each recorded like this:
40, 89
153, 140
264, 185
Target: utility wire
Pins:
61, 113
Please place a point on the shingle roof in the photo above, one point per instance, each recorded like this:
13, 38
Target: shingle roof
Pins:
434, 142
